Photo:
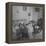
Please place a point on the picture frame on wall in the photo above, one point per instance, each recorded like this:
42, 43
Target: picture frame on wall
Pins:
25, 22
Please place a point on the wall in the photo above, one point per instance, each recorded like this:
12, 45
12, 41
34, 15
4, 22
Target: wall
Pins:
19, 13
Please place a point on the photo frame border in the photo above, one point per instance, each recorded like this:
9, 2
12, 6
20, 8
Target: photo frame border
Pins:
9, 6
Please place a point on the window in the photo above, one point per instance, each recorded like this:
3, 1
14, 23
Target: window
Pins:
37, 9
24, 8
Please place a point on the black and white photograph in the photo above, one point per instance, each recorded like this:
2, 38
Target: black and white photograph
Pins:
27, 23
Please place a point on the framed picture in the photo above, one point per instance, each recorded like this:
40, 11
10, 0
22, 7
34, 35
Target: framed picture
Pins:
25, 22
